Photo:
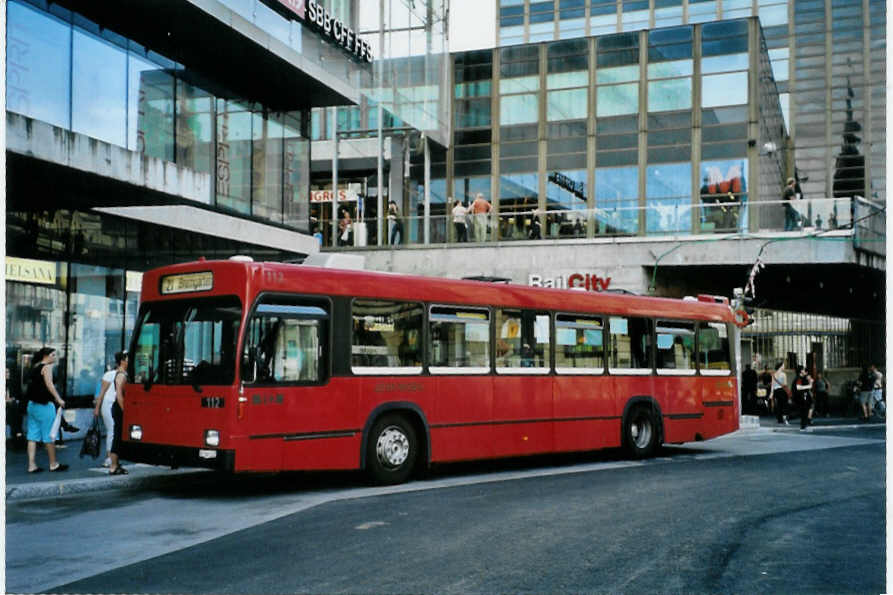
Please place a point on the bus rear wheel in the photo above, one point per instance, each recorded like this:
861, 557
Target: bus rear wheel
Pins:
641, 433
392, 450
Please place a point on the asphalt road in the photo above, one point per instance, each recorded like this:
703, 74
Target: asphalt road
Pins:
758, 513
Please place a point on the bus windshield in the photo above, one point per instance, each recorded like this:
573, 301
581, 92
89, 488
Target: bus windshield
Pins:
187, 342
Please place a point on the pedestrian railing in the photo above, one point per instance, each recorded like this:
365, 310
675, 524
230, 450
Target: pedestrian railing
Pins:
664, 217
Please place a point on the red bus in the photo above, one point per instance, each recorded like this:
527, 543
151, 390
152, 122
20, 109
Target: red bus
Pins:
246, 366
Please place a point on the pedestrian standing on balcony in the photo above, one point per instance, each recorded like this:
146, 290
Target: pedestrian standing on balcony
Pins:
791, 217
480, 208
395, 224
459, 214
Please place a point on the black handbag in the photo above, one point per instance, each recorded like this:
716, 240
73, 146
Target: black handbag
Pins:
91, 440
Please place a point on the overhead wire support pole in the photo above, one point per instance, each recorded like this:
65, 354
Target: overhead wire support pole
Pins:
335, 233
380, 217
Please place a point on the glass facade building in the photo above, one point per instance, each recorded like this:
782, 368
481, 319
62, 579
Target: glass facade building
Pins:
828, 59
67, 71
636, 133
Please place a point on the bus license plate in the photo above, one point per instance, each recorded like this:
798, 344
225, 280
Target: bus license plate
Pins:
213, 402
207, 454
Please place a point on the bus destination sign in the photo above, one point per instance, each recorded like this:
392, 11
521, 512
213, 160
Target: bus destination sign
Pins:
187, 283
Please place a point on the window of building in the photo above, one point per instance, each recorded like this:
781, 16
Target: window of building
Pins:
38, 65
266, 160
714, 352
617, 200
603, 17
723, 195
579, 344
459, 340
629, 345
667, 13
234, 156
522, 342
150, 108
566, 204
670, 69
668, 192
518, 200
387, 337
701, 11
635, 14
286, 342
194, 124
98, 88
675, 347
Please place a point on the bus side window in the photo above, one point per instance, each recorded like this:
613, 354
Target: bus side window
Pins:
675, 346
714, 353
286, 344
629, 349
459, 340
386, 337
522, 341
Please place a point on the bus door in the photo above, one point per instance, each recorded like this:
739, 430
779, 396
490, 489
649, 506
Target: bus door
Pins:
676, 385
719, 389
522, 388
585, 409
629, 362
289, 414
459, 360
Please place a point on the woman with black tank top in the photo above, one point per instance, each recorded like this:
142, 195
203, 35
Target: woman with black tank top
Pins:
41, 411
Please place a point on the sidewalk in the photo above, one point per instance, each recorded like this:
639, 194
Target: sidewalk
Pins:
768, 422
83, 475
88, 475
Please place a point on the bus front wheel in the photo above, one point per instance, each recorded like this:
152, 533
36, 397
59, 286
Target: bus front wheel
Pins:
641, 433
392, 450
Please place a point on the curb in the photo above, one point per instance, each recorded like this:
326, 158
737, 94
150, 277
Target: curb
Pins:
820, 428
52, 489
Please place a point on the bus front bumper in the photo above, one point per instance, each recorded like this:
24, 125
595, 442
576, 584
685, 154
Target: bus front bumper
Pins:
178, 456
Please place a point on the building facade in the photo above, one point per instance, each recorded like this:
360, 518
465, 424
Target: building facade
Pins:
828, 59
650, 160
142, 134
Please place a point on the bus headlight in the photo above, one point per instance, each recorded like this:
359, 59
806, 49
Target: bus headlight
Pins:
212, 438
136, 432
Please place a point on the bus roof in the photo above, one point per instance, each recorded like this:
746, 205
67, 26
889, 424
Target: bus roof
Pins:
247, 279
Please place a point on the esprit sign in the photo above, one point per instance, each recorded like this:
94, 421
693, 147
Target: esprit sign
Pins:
313, 13
572, 281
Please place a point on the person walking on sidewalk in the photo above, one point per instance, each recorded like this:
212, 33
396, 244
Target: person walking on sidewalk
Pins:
104, 401
866, 385
41, 413
120, 380
780, 393
877, 390
802, 390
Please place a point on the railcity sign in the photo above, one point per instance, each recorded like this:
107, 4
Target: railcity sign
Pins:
314, 14
572, 281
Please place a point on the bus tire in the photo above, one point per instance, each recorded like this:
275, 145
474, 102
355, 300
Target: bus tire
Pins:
392, 450
641, 433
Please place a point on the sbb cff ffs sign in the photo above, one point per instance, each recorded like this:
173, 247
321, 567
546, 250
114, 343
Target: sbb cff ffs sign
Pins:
313, 13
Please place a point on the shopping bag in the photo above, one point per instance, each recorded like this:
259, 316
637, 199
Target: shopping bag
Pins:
91, 440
